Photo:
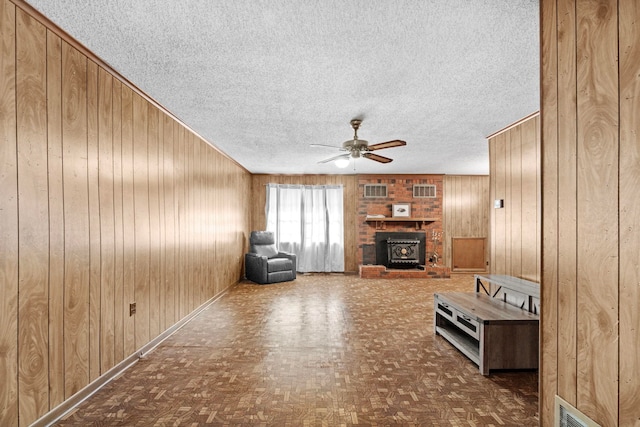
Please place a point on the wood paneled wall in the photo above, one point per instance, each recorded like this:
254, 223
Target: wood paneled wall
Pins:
350, 183
465, 210
515, 178
465, 207
591, 227
106, 200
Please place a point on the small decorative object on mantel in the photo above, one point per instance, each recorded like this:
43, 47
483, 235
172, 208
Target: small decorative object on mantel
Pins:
435, 236
375, 216
401, 210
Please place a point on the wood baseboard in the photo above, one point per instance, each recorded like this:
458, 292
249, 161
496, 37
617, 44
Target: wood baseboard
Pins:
72, 402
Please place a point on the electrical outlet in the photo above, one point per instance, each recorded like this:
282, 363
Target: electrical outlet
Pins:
132, 309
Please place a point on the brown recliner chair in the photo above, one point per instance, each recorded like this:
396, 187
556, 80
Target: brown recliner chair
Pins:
264, 263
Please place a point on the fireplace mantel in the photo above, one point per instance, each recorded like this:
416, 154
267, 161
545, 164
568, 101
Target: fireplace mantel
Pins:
380, 223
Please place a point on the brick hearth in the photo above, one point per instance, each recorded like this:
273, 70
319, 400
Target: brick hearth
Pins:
381, 272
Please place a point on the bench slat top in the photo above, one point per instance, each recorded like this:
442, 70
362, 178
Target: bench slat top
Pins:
514, 283
485, 309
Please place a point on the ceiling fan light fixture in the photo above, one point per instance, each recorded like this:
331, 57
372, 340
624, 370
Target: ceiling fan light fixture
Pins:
357, 148
342, 162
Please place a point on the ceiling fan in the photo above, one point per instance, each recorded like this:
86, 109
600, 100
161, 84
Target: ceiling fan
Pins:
360, 148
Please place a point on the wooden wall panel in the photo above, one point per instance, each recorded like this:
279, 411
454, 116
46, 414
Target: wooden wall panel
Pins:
160, 244
519, 160
194, 204
196, 223
118, 203
141, 218
8, 219
465, 211
56, 219
221, 201
107, 226
224, 238
529, 176
189, 219
350, 233
218, 187
154, 223
118, 226
180, 211
163, 123
128, 219
499, 188
169, 244
591, 172
189, 226
482, 202
567, 199
205, 239
597, 204
549, 151
217, 220
629, 208
492, 213
506, 224
515, 178
210, 239
185, 223
76, 202
94, 220
350, 199
208, 236
33, 197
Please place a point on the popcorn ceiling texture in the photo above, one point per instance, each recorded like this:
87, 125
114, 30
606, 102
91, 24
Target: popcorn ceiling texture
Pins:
261, 80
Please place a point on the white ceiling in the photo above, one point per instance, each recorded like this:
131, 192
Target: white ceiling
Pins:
261, 80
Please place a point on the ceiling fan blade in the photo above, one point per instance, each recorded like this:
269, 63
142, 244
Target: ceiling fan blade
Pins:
388, 144
377, 158
324, 145
330, 159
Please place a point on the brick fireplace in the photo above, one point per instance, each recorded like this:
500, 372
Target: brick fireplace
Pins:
399, 189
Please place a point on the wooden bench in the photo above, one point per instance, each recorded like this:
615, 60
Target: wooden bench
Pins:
496, 326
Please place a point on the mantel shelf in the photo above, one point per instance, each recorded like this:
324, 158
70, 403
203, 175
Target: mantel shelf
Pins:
380, 223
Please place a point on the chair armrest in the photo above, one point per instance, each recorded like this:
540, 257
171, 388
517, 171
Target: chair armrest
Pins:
292, 257
255, 267
285, 255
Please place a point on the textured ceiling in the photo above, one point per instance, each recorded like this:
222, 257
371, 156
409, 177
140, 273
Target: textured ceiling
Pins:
261, 80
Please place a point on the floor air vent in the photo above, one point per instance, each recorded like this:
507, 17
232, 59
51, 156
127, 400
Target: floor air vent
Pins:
568, 416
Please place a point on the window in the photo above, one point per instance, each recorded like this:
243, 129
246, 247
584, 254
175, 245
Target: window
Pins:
308, 221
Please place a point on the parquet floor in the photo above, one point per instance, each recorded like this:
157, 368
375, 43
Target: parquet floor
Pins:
325, 350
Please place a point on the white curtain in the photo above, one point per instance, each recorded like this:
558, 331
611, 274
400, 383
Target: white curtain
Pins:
308, 221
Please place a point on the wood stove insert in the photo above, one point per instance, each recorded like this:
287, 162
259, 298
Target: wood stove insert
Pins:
382, 249
403, 252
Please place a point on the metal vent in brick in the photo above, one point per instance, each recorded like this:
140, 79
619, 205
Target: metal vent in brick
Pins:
372, 191
424, 191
